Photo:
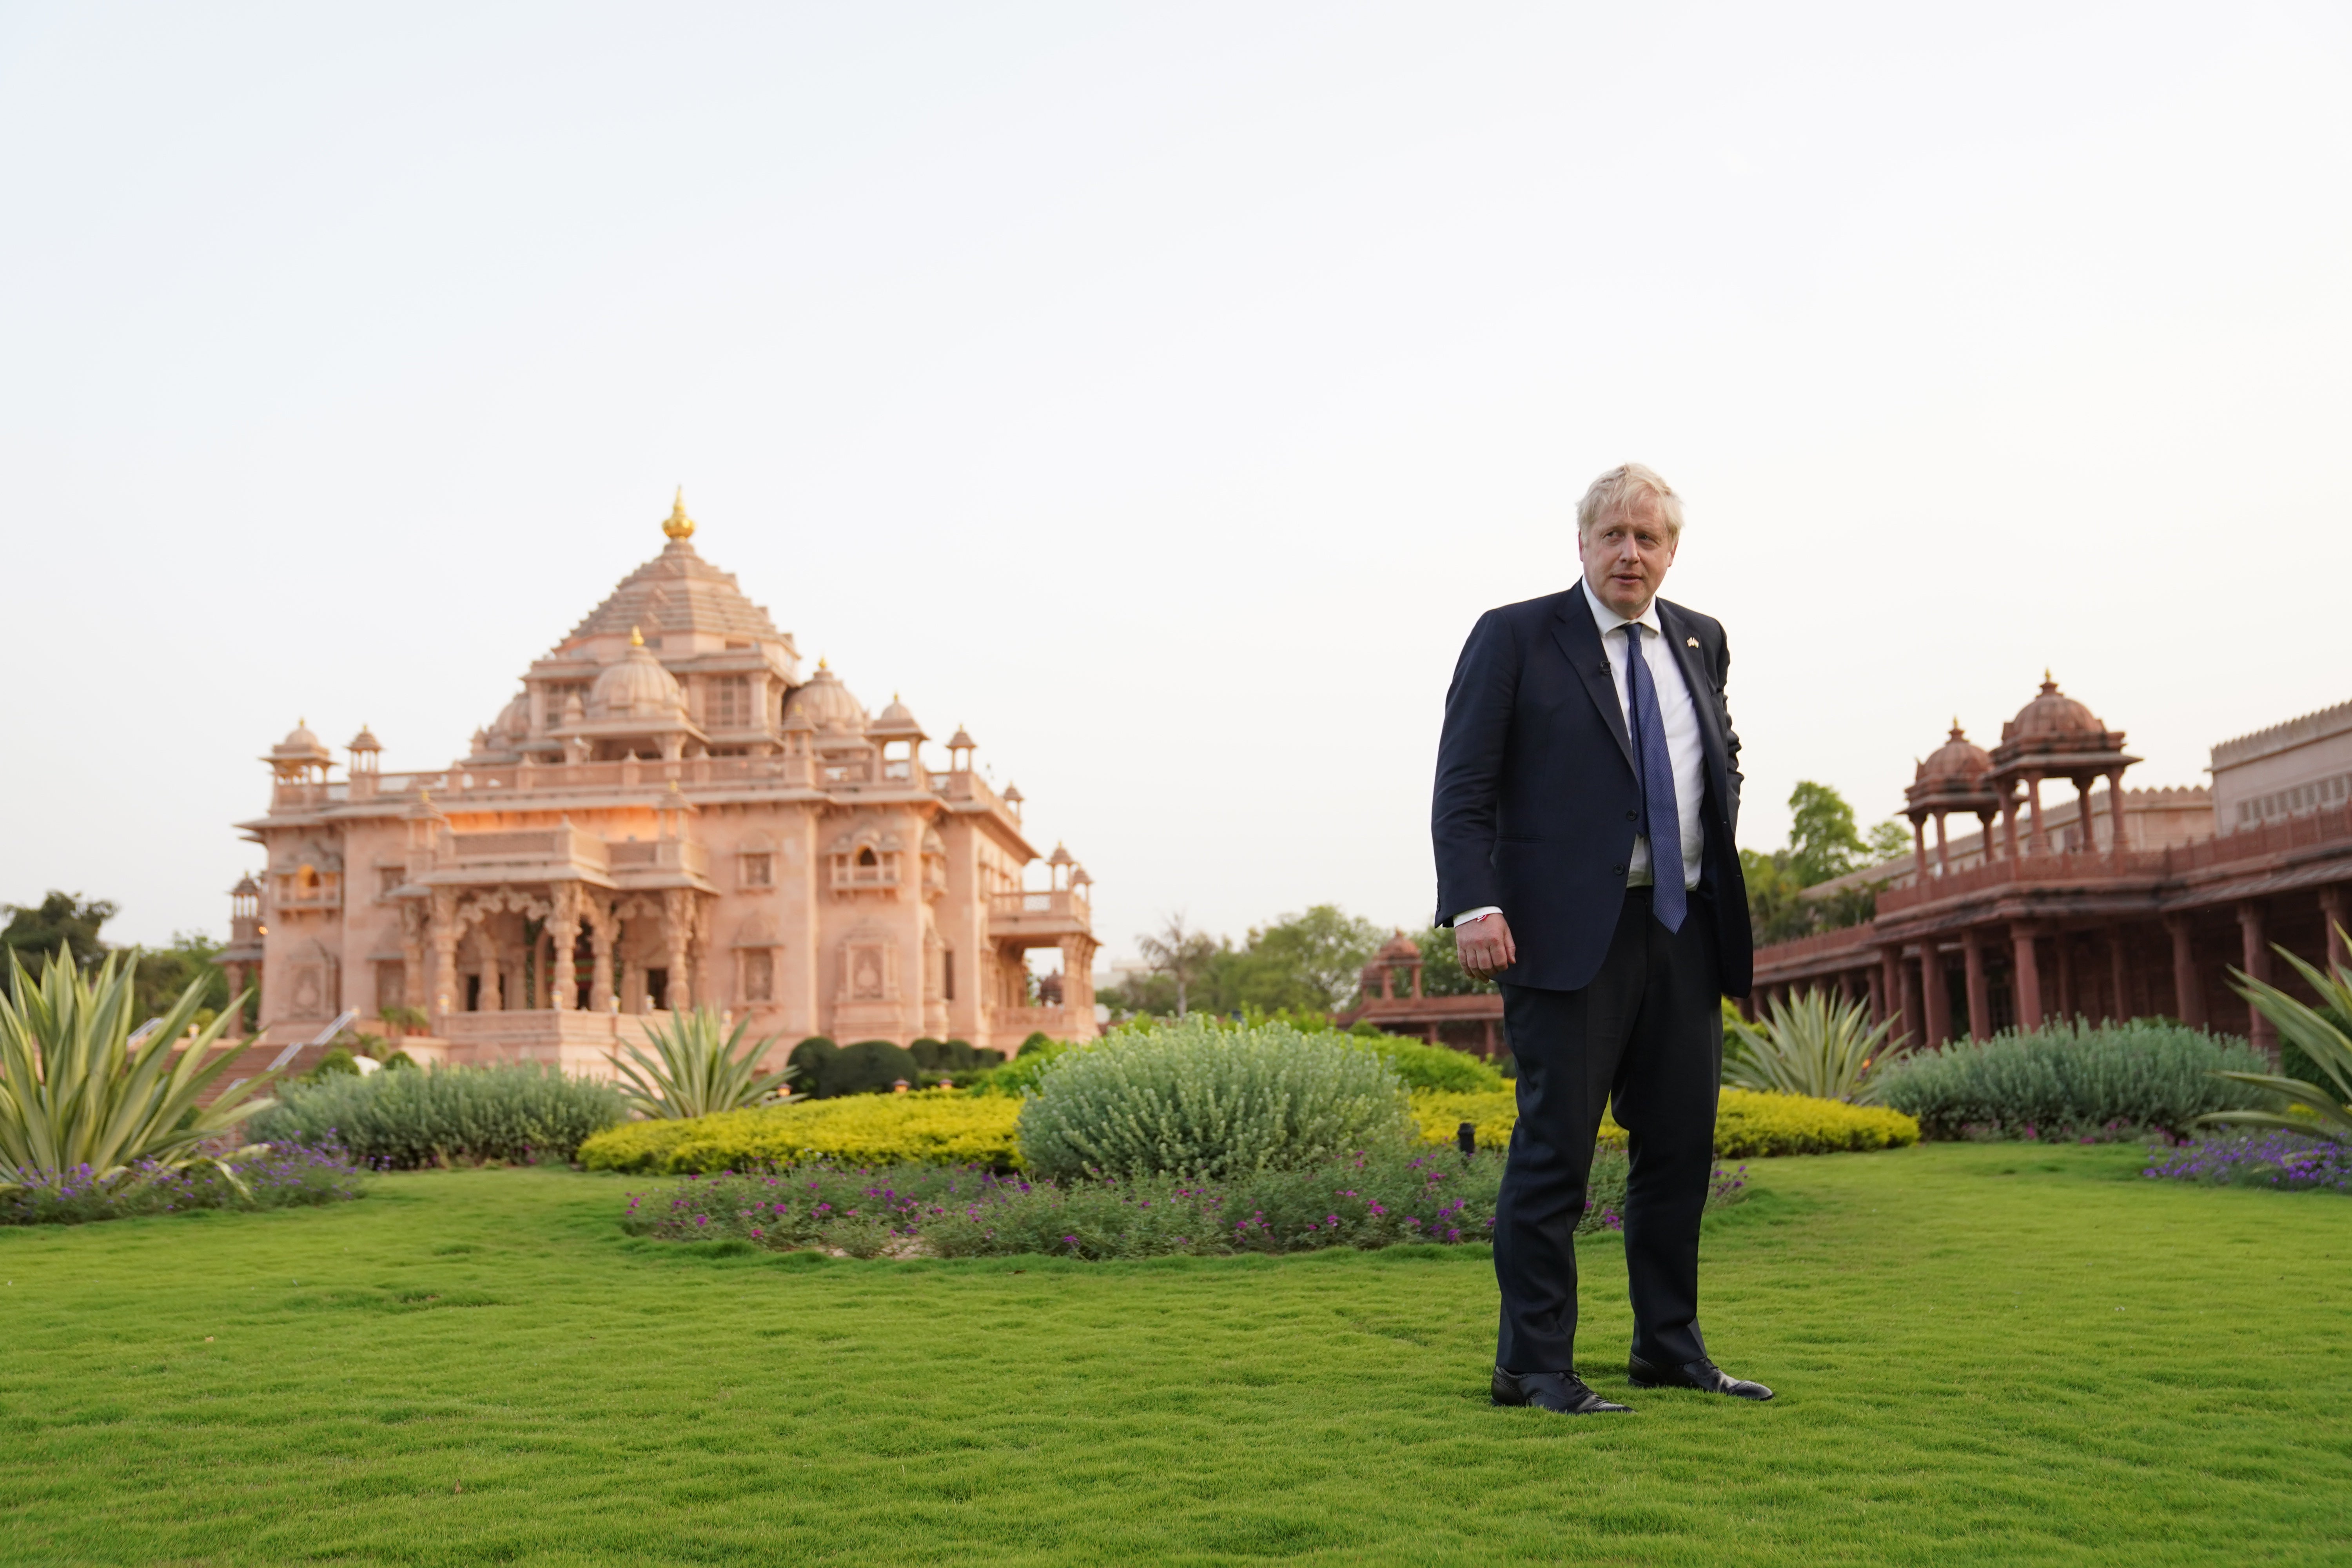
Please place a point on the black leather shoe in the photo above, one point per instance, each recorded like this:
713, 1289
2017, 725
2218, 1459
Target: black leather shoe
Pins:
1702, 1374
1562, 1391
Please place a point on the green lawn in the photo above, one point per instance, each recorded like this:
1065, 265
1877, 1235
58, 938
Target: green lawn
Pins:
1986, 1354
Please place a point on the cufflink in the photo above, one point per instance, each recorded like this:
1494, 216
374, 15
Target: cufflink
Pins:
1690, 642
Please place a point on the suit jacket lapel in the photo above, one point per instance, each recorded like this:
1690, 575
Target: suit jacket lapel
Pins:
1689, 655
1578, 636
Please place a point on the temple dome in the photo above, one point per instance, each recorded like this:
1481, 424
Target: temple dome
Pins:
896, 723
1399, 947
301, 745
636, 688
2051, 713
514, 719
827, 704
679, 592
1959, 758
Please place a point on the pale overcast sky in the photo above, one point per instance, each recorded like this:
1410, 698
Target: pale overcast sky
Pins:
1160, 391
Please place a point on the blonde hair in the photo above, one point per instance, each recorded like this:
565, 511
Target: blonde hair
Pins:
1620, 488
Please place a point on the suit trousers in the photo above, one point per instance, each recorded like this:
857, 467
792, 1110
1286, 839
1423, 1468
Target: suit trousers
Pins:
1646, 1035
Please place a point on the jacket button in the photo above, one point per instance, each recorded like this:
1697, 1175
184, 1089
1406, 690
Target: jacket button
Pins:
1616, 870
1633, 817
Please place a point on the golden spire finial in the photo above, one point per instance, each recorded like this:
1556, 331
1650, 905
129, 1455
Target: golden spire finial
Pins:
820, 661
637, 637
678, 525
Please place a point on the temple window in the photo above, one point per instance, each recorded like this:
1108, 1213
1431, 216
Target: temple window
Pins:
759, 976
728, 701
758, 870
865, 868
388, 880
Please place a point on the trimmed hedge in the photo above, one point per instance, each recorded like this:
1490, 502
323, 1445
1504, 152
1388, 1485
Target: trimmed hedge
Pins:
1195, 1101
1426, 1067
928, 1127
1747, 1124
410, 1119
2073, 1079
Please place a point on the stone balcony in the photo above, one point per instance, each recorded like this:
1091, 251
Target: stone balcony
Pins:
1039, 919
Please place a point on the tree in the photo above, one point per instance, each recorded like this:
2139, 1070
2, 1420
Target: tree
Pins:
1823, 839
165, 971
1309, 963
1824, 845
1179, 951
35, 931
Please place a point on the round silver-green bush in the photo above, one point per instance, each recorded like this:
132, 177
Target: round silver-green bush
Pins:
1210, 1103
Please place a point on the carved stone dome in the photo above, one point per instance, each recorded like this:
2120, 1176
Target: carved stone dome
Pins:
636, 688
301, 745
1959, 758
827, 704
2051, 713
896, 723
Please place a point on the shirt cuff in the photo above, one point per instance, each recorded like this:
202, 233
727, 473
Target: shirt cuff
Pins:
1481, 912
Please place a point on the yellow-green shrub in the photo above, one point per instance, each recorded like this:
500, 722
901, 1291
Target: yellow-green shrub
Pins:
930, 1127
1747, 1124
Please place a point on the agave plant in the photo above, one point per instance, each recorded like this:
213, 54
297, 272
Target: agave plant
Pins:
696, 1073
1814, 1044
2322, 1111
79, 1086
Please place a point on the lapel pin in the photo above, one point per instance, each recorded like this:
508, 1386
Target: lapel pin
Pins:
1690, 642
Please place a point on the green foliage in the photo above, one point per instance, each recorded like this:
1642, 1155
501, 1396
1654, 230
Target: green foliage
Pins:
410, 1020
812, 1061
1435, 1067
75, 1091
952, 1057
1442, 973
2072, 1079
870, 1067
694, 1072
338, 1060
1306, 962
1024, 1071
164, 972
35, 931
2319, 1104
931, 1127
440, 1116
1190, 1100
1824, 845
1816, 1044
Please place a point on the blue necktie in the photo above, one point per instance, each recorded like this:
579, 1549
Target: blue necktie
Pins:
1662, 819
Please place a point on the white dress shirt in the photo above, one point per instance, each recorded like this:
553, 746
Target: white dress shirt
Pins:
1685, 748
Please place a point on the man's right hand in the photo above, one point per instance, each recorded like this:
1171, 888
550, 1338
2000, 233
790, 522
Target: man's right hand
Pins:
1485, 945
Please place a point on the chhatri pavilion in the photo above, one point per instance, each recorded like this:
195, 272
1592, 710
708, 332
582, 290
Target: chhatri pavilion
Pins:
670, 813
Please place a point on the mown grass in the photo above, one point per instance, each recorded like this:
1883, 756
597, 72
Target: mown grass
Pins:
1987, 1355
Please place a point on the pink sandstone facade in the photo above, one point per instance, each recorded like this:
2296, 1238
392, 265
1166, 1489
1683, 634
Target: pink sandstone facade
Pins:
669, 813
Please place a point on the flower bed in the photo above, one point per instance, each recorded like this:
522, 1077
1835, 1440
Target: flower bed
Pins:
1371, 1200
2288, 1160
1747, 1124
927, 1127
282, 1176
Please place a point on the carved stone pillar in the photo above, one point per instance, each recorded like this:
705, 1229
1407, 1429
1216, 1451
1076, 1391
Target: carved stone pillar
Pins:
2035, 840
2027, 987
1943, 847
2121, 972
602, 928
2188, 986
1980, 991
2067, 1000
2115, 811
489, 949
235, 1030
1918, 848
563, 932
413, 924
444, 931
676, 917
2256, 963
1915, 1005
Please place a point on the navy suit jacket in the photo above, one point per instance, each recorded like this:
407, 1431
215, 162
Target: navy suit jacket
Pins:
1537, 799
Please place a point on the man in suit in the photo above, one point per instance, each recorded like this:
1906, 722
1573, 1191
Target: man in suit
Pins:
1587, 791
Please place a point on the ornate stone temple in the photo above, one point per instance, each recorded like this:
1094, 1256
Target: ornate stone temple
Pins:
669, 813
